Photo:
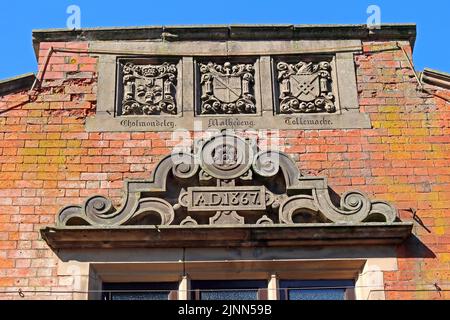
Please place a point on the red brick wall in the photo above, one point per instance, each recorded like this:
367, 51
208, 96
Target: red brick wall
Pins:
48, 161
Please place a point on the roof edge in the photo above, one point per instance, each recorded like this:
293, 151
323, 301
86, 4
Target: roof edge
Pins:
436, 78
11, 85
400, 31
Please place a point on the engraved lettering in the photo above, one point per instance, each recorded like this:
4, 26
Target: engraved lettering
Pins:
300, 121
244, 200
216, 199
235, 199
230, 123
200, 200
226, 202
226, 199
147, 123
254, 196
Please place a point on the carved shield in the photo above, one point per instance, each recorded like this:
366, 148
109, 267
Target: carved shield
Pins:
306, 87
227, 88
149, 91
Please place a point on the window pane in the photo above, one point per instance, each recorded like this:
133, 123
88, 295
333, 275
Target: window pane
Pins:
315, 290
229, 295
227, 289
319, 294
140, 295
138, 291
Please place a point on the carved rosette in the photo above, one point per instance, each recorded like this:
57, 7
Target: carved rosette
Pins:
227, 180
149, 89
305, 87
227, 88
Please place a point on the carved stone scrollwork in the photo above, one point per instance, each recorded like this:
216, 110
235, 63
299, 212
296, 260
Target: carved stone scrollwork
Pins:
227, 180
382, 211
355, 207
184, 166
96, 210
189, 221
159, 208
99, 211
149, 89
99, 208
227, 217
265, 220
302, 205
227, 88
305, 87
268, 163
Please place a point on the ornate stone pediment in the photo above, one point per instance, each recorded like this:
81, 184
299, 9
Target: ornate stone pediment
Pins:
228, 180
305, 87
149, 89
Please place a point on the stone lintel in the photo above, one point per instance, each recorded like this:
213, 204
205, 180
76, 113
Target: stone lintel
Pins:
227, 236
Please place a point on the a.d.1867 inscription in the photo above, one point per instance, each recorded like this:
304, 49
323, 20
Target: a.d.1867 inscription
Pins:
226, 199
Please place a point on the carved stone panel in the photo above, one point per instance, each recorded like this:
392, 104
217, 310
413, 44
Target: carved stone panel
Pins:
202, 92
266, 188
227, 88
226, 198
148, 89
305, 87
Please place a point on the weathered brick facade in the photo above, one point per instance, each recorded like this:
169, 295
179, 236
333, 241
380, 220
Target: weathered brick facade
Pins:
48, 160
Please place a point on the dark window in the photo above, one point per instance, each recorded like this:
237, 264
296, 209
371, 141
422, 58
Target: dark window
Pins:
229, 290
140, 291
232, 290
317, 290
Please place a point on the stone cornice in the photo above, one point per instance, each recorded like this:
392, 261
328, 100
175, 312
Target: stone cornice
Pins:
436, 78
226, 236
229, 33
18, 83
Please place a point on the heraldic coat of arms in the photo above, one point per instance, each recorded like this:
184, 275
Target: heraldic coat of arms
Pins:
149, 89
227, 88
305, 87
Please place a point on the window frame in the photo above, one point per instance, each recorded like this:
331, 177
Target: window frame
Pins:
199, 286
304, 285
141, 287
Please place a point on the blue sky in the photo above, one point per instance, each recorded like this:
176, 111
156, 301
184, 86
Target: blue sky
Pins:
19, 18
